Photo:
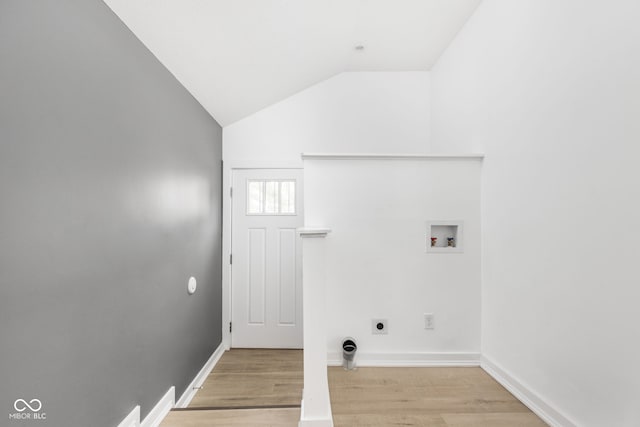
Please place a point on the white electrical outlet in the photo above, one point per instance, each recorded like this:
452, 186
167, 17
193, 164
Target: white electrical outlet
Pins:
379, 326
428, 321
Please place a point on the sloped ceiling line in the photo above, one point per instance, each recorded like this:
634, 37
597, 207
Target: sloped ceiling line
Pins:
239, 56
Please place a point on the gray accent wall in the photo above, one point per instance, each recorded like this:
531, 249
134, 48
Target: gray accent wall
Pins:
110, 176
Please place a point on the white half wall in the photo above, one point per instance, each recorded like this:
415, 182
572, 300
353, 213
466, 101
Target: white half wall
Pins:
370, 112
550, 91
377, 265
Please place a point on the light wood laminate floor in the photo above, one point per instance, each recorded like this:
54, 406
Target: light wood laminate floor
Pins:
438, 397
233, 417
375, 397
253, 377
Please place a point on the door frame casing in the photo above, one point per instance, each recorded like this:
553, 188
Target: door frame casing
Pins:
227, 218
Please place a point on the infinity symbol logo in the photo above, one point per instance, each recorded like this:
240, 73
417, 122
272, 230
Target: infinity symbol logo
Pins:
37, 405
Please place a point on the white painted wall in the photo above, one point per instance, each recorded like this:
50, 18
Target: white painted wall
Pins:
377, 265
550, 91
370, 112
375, 112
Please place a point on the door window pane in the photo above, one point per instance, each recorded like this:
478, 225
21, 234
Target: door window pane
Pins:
288, 197
271, 197
255, 195
271, 201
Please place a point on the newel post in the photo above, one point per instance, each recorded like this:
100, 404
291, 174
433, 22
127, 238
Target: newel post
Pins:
316, 406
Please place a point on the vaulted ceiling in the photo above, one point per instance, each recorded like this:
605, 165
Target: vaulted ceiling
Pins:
239, 56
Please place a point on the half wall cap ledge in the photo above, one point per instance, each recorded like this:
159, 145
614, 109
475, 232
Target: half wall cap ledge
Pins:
400, 156
313, 231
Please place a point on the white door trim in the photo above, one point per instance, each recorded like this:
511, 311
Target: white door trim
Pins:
227, 180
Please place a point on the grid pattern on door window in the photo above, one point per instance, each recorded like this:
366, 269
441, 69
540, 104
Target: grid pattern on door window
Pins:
271, 197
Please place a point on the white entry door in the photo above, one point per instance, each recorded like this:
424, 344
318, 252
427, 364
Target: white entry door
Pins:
266, 268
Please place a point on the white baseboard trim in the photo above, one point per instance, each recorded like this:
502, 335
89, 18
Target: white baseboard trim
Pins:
408, 359
304, 422
162, 408
199, 379
133, 419
315, 423
547, 412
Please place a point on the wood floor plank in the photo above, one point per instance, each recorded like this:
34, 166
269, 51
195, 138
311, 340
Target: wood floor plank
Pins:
245, 418
376, 397
420, 397
253, 377
393, 420
520, 419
